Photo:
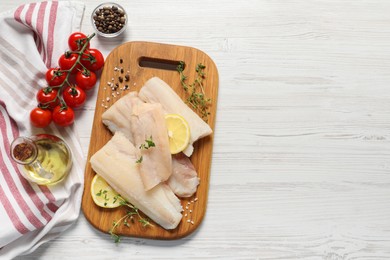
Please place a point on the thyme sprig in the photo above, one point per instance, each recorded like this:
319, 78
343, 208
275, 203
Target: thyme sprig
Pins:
149, 143
196, 94
139, 159
127, 219
103, 193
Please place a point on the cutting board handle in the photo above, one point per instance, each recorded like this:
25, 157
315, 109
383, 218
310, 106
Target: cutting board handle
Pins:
156, 63
164, 57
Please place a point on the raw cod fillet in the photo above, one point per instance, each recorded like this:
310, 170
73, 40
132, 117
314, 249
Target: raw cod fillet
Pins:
118, 116
156, 90
184, 180
149, 123
139, 121
116, 163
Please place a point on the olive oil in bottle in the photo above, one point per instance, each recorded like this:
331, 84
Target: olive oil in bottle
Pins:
44, 159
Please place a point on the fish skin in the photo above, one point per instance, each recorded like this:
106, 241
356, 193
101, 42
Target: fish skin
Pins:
184, 179
155, 90
116, 163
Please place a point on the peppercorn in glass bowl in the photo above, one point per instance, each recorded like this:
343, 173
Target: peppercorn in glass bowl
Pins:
109, 19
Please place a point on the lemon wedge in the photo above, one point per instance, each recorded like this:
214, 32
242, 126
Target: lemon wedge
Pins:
102, 194
178, 132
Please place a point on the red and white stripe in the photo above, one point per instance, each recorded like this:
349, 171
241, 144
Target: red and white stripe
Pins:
30, 213
18, 191
35, 16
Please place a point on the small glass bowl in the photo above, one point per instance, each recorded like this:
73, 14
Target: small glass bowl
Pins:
110, 6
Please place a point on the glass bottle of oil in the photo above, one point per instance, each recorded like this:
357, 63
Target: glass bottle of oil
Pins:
44, 159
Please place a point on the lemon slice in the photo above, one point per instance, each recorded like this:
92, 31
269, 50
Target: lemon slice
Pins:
178, 132
102, 194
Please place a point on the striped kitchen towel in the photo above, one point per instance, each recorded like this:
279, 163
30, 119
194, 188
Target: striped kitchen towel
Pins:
32, 38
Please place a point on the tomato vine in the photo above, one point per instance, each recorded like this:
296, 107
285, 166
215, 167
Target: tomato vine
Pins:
80, 59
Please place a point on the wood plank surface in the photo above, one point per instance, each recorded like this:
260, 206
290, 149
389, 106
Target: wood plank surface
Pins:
142, 61
300, 166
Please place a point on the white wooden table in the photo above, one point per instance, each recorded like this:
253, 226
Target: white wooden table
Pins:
301, 162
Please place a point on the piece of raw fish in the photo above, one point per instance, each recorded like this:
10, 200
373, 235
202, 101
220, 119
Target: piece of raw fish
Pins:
140, 121
184, 179
116, 163
118, 116
148, 124
156, 90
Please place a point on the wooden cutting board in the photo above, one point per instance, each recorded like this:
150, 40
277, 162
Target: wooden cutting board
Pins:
141, 61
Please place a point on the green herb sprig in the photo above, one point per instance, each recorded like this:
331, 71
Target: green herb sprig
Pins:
127, 218
103, 193
197, 98
139, 159
145, 146
148, 144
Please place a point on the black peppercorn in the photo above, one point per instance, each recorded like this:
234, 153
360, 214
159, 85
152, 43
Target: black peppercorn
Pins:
109, 19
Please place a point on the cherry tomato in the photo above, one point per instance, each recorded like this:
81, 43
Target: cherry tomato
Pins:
76, 41
47, 98
92, 59
67, 60
40, 117
63, 116
74, 96
86, 79
55, 77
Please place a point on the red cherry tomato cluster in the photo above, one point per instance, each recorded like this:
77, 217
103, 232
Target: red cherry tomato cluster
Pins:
63, 93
